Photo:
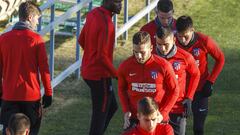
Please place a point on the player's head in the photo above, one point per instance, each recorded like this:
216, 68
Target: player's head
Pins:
19, 124
142, 46
114, 6
28, 11
164, 40
148, 114
185, 29
165, 12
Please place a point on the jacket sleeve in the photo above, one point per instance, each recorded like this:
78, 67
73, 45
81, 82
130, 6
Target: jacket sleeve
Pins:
218, 56
194, 76
122, 90
81, 39
172, 90
44, 68
1, 68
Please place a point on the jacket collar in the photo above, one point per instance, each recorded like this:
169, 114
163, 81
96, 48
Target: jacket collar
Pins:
172, 52
22, 25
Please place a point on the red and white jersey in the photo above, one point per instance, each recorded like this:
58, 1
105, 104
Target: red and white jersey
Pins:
161, 129
202, 47
155, 79
187, 74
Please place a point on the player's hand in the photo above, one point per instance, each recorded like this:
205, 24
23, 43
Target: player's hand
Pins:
46, 101
207, 89
127, 116
187, 103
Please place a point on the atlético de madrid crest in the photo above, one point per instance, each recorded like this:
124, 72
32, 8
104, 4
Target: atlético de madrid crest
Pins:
154, 74
196, 52
176, 65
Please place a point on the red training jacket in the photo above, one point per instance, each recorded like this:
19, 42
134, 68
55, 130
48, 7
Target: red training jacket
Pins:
187, 74
22, 57
161, 129
203, 46
97, 40
151, 28
155, 79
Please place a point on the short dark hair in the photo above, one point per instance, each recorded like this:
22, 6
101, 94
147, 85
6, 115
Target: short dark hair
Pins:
18, 123
164, 6
147, 106
28, 8
141, 37
184, 23
163, 32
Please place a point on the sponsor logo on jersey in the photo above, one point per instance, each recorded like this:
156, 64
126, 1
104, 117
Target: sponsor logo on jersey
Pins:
144, 87
196, 52
154, 74
132, 74
176, 65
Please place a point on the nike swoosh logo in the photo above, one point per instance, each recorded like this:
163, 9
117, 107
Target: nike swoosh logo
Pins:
132, 74
202, 110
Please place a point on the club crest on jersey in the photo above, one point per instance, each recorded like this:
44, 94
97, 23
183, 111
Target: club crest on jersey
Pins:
176, 65
196, 52
154, 74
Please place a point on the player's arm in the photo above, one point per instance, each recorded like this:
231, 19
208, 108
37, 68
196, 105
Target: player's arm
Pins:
168, 130
194, 76
172, 89
44, 68
81, 39
122, 90
218, 56
1, 69
102, 50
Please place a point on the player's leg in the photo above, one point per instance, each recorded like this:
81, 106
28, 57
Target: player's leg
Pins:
34, 111
112, 103
99, 97
200, 111
8, 108
178, 123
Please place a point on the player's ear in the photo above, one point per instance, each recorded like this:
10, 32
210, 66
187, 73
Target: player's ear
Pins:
138, 115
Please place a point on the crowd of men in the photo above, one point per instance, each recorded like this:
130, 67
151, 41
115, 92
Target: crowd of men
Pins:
165, 81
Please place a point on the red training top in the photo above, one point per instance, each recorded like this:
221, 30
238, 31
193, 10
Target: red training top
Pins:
97, 40
187, 74
161, 129
200, 49
155, 79
22, 57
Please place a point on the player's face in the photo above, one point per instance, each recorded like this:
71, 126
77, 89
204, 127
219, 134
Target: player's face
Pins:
165, 18
185, 37
116, 6
33, 19
149, 122
142, 52
165, 44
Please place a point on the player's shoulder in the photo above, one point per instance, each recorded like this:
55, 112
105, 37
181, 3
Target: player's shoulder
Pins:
183, 52
148, 26
159, 60
164, 128
201, 36
129, 61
